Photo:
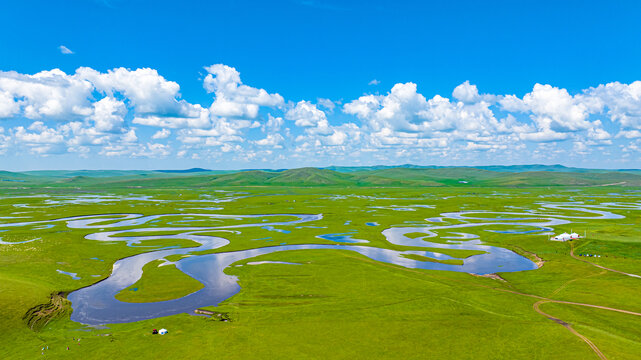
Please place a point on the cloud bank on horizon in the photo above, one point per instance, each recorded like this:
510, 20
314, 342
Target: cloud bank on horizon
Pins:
141, 114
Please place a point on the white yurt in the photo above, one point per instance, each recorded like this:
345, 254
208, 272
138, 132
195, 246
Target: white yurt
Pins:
562, 237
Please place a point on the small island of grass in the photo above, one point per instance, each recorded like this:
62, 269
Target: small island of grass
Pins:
152, 286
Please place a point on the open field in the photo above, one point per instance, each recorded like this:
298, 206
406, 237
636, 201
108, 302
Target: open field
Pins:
336, 300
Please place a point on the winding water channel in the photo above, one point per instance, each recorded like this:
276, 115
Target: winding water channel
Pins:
97, 304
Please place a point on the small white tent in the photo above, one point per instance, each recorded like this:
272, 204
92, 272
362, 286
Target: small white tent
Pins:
562, 237
162, 331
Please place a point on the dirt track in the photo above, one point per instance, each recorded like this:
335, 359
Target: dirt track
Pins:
599, 266
569, 327
541, 299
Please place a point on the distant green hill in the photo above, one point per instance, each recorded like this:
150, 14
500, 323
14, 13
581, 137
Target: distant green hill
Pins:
546, 178
296, 177
379, 167
497, 168
196, 171
192, 170
441, 176
311, 176
454, 176
87, 173
405, 175
8, 176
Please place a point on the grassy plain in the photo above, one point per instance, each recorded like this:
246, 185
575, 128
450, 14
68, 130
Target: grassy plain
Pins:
337, 304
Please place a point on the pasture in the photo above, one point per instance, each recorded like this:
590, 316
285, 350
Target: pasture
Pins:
335, 301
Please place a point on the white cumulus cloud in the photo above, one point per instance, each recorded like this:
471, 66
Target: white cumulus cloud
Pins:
232, 98
466, 92
108, 115
306, 114
274, 140
47, 94
161, 134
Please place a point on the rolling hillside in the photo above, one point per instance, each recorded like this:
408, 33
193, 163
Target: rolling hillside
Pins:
544, 178
309, 176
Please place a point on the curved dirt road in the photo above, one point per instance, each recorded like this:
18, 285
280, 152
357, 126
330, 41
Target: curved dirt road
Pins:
536, 305
599, 266
569, 327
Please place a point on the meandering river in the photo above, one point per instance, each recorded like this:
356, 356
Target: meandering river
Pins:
97, 304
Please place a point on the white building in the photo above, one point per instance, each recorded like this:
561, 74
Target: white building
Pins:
563, 237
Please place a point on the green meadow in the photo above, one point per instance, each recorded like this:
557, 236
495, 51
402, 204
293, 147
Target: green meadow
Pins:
334, 303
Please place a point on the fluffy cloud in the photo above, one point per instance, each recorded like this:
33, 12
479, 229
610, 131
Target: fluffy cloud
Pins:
597, 133
341, 135
274, 140
148, 91
545, 135
77, 134
306, 114
405, 118
556, 115
622, 101
232, 98
108, 115
466, 92
222, 132
39, 138
328, 104
153, 150
197, 117
129, 137
83, 121
273, 124
55, 94
47, 94
629, 134
8, 106
364, 106
38, 133
462, 119
5, 141
317, 130
161, 134
94, 112
555, 109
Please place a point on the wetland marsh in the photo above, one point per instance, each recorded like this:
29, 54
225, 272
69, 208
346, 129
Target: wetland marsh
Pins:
131, 259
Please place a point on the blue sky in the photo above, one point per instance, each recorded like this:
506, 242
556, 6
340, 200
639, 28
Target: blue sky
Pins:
130, 84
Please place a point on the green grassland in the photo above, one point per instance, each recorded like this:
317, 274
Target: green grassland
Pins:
153, 285
336, 304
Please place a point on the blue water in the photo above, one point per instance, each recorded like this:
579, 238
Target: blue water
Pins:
271, 228
96, 304
16, 242
341, 238
73, 275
